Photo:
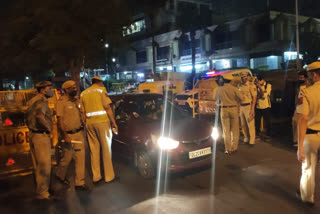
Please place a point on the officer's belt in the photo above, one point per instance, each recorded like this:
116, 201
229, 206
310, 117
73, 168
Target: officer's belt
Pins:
75, 130
228, 106
245, 104
311, 131
39, 132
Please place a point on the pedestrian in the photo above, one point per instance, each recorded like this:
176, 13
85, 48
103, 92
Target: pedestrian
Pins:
229, 98
39, 121
263, 108
71, 128
308, 110
247, 109
96, 110
302, 83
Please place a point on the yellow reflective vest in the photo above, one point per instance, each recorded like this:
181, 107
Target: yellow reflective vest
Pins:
92, 102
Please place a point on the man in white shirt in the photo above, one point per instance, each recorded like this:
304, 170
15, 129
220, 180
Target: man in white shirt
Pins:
263, 107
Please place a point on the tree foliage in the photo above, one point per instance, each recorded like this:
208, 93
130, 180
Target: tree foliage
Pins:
41, 35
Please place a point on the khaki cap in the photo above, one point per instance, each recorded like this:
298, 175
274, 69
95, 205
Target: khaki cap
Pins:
68, 84
243, 74
96, 78
313, 66
43, 84
228, 77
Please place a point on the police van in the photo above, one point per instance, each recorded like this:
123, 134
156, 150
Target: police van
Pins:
202, 90
15, 158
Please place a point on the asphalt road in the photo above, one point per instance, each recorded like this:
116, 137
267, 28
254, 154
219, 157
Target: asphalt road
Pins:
255, 180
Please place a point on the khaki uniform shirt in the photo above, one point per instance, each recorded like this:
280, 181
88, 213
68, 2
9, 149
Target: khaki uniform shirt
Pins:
309, 104
69, 110
227, 95
36, 104
92, 101
249, 91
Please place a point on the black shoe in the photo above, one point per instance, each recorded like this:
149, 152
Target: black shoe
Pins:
298, 195
101, 181
64, 182
82, 188
251, 145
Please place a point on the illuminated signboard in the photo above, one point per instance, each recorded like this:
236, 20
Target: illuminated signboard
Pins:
134, 28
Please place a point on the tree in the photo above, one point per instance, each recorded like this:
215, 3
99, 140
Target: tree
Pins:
310, 46
58, 35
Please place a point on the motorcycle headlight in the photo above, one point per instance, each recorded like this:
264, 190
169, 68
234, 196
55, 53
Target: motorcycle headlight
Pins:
166, 143
215, 133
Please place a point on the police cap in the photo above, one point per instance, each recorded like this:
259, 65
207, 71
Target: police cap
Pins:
43, 84
68, 84
243, 74
313, 66
96, 78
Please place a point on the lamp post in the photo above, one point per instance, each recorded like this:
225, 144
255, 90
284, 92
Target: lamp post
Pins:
297, 37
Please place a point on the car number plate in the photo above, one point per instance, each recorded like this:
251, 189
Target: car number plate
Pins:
199, 153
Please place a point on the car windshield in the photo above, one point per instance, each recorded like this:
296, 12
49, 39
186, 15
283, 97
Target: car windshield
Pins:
149, 109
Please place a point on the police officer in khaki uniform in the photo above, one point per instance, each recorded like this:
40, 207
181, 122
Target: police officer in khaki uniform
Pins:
308, 110
39, 121
229, 98
95, 106
71, 127
247, 107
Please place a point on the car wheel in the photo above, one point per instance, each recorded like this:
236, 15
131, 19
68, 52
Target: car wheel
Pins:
144, 165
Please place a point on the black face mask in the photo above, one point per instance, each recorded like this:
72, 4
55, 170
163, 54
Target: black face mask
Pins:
220, 83
301, 82
73, 93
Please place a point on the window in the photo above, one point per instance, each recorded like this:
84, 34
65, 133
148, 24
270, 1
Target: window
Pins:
163, 53
135, 27
141, 57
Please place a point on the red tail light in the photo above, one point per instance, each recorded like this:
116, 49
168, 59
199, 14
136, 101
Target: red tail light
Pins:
10, 162
8, 122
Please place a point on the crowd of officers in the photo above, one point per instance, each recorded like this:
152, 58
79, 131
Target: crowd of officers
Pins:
250, 100
247, 102
90, 115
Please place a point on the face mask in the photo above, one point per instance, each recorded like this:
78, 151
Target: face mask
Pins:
73, 93
49, 93
301, 82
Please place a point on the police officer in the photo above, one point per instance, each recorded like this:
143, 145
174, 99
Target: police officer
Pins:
263, 107
39, 121
247, 108
95, 106
308, 110
71, 127
302, 83
229, 98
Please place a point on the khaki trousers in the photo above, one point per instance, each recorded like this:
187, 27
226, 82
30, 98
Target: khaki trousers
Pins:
40, 148
77, 152
249, 129
311, 147
100, 135
295, 127
230, 126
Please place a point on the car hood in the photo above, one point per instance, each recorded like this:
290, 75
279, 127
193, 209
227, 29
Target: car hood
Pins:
180, 130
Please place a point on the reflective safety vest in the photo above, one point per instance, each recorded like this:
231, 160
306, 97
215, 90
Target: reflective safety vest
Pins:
92, 99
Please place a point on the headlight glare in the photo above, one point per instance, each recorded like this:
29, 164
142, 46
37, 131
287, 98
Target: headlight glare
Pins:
215, 133
166, 143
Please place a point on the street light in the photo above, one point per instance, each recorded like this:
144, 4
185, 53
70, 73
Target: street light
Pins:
106, 45
113, 59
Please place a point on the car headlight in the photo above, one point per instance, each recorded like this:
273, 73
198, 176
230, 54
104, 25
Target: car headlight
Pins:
215, 133
166, 143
